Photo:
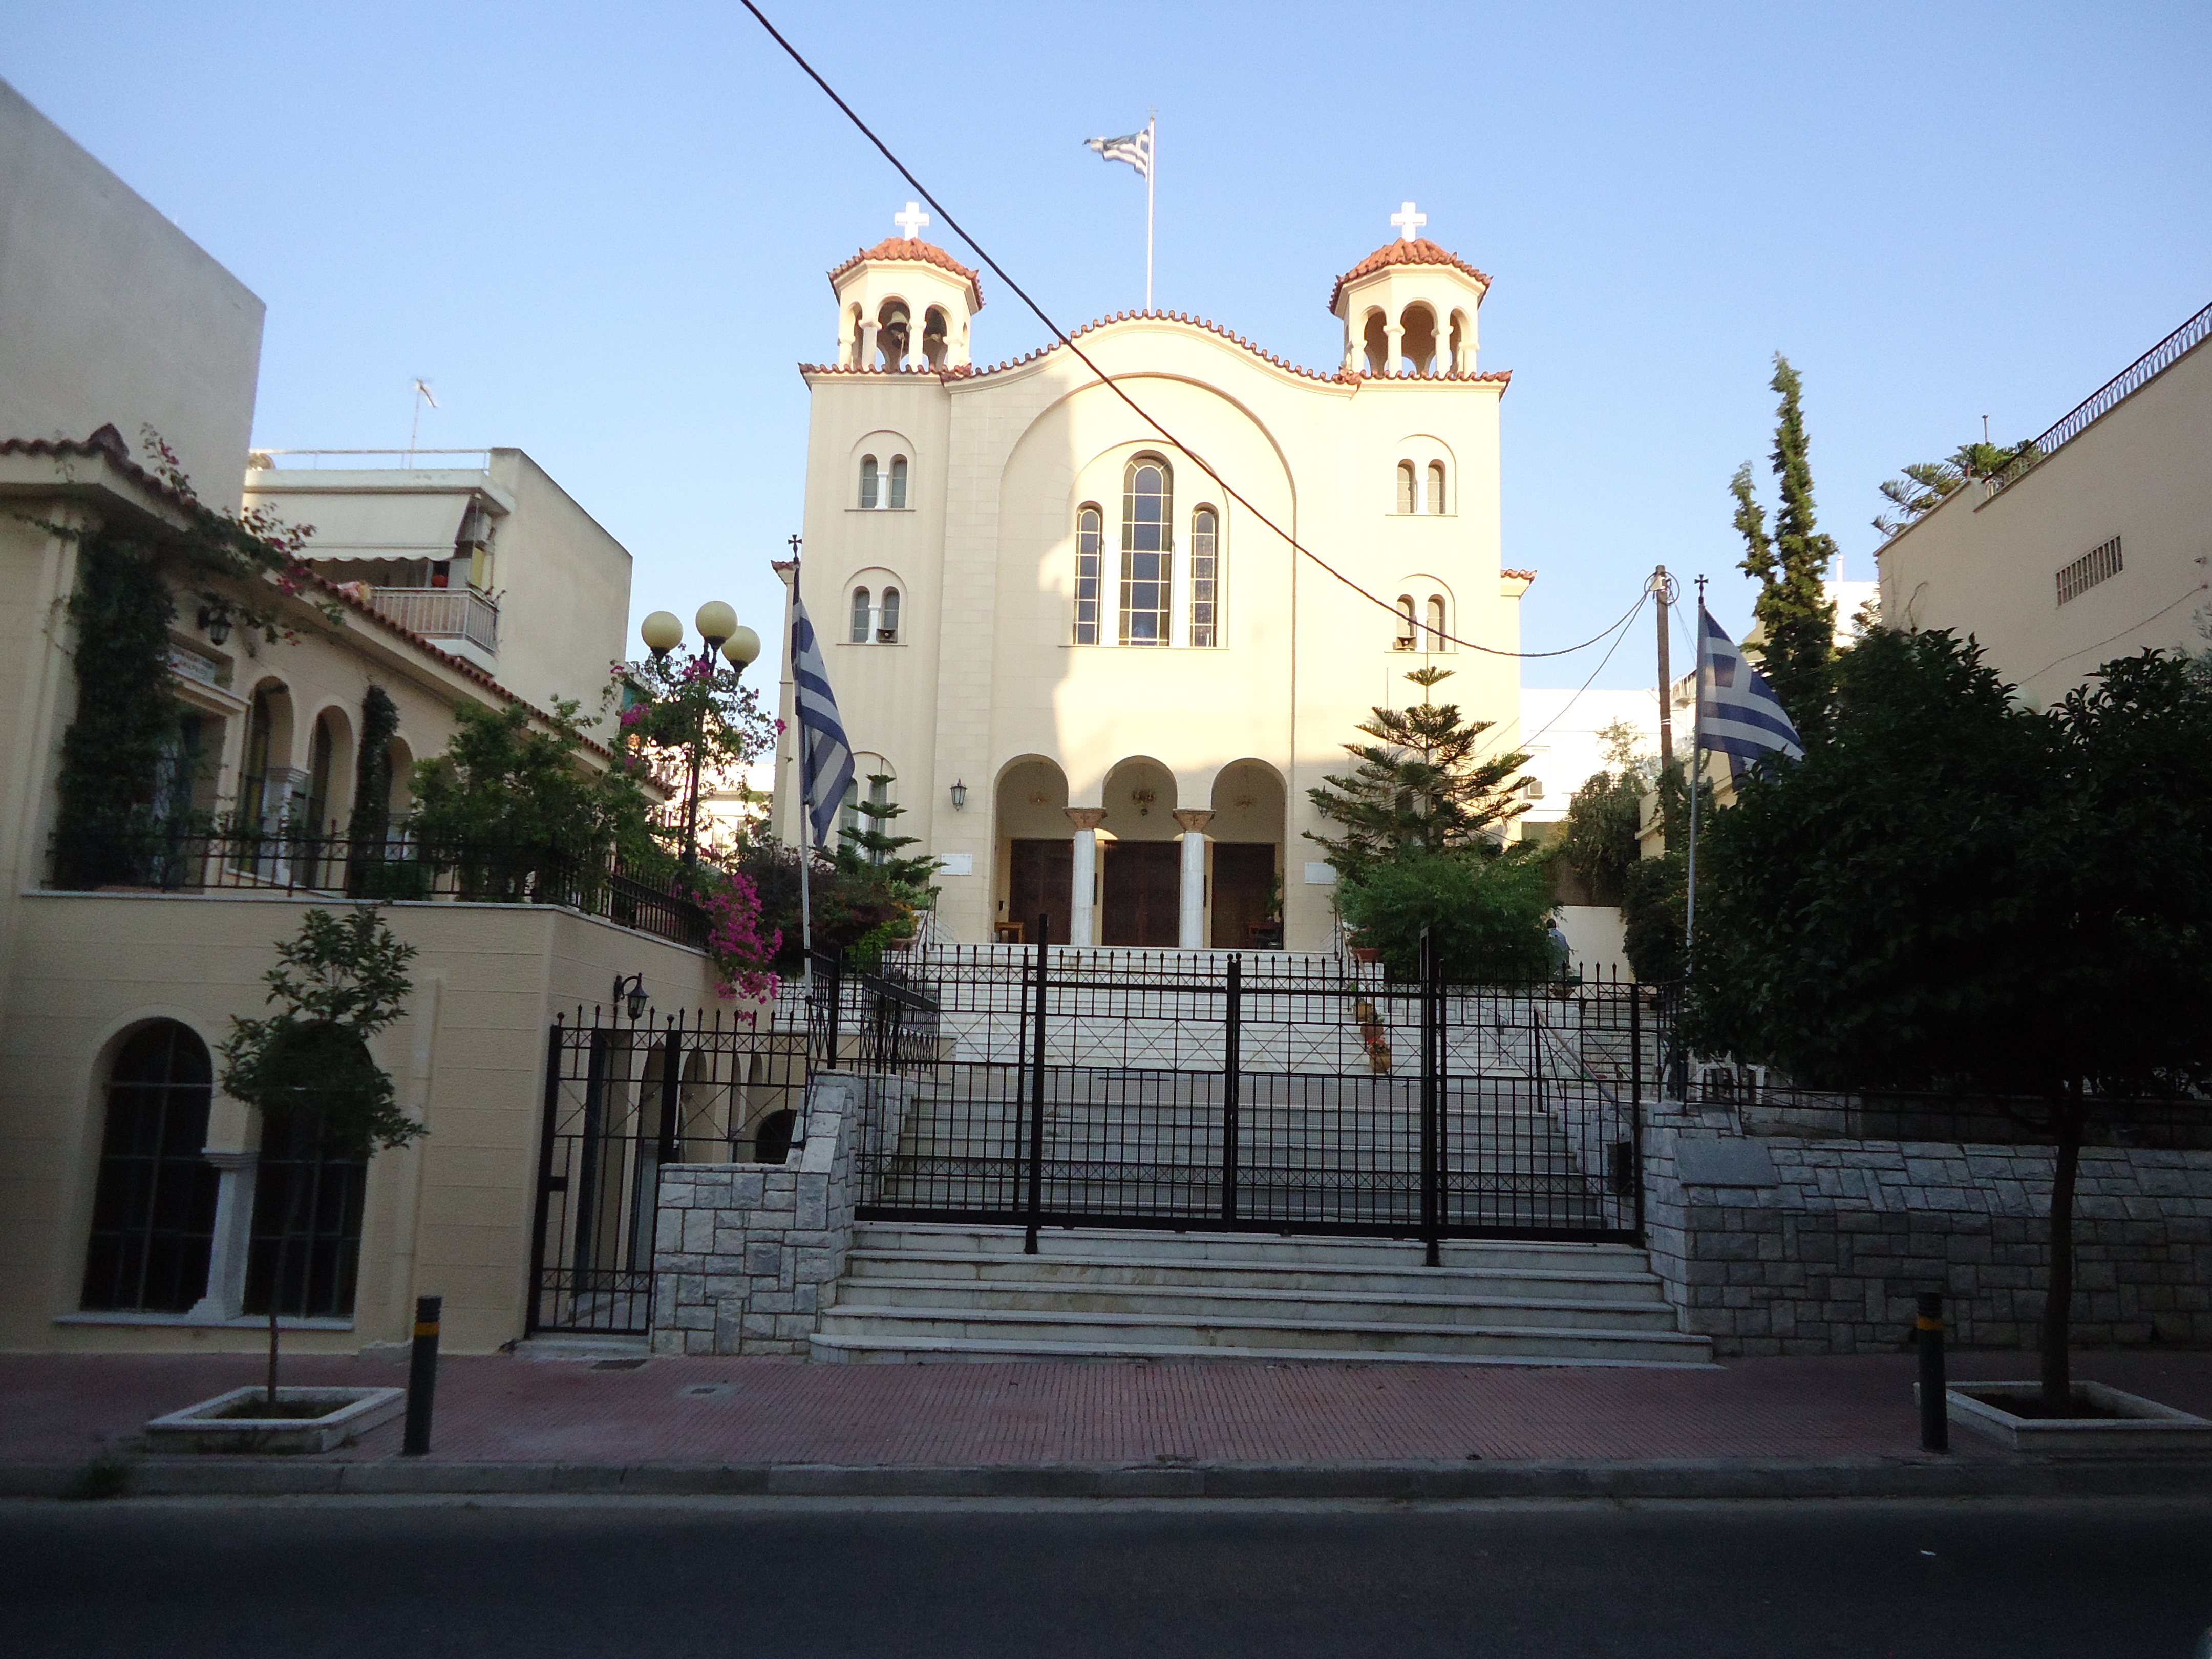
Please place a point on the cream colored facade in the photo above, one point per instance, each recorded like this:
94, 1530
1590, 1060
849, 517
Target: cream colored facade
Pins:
85, 974
965, 490
2099, 550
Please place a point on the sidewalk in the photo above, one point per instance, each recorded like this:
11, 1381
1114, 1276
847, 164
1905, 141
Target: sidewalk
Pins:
1320, 1429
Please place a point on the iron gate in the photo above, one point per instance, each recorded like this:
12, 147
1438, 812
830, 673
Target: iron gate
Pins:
1274, 1092
622, 1099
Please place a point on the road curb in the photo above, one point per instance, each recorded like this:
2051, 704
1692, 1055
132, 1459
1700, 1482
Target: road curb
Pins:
1428, 1482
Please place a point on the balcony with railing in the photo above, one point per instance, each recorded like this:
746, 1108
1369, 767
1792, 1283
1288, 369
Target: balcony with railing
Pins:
441, 613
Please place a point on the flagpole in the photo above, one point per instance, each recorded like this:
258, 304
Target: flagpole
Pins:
805, 804
1697, 756
1151, 171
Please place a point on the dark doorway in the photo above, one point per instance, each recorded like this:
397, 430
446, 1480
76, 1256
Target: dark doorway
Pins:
1144, 884
1038, 885
1244, 875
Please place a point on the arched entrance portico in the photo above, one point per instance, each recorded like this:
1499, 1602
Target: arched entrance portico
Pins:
1140, 866
1245, 908
1036, 857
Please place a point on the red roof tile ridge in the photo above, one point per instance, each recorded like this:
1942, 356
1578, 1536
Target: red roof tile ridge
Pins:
1420, 252
1525, 576
912, 250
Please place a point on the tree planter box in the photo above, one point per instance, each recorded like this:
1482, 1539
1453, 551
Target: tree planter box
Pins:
2140, 1425
204, 1428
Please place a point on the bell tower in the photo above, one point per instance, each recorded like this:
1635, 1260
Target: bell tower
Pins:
1410, 307
904, 304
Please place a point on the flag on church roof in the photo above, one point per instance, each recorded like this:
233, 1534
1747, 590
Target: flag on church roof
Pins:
1738, 713
1135, 149
826, 758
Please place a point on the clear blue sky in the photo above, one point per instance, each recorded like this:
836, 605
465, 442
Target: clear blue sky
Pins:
601, 231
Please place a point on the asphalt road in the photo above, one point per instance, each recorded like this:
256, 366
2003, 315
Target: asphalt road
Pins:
640, 1579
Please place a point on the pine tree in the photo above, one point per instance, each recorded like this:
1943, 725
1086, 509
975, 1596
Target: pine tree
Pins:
1419, 788
877, 848
1796, 617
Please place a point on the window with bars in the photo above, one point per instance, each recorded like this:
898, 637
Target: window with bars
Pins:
307, 1204
1147, 551
1205, 574
2099, 564
152, 1205
1090, 540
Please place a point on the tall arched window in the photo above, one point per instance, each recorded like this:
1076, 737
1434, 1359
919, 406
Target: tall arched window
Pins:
1437, 629
1090, 558
1204, 574
898, 481
308, 1186
1407, 632
870, 484
858, 634
1404, 486
1436, 486
887, 624
1147, 550
153, 1208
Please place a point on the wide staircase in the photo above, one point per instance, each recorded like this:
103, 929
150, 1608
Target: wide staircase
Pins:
919, 1291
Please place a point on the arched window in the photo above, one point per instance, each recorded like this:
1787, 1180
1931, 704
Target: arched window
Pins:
1418, 338
257, 801
1204, 574
1147, 550
887, 625
153, 1207
891, 334
871, 485
772, 1137
1404, 486
308, 1186
898, 481
1436, 486
1376, 337
1090, 545
1408, 634
1436, 629
859, 632
934, 330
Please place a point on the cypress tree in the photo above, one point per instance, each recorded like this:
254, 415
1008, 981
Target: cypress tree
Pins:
1797, 620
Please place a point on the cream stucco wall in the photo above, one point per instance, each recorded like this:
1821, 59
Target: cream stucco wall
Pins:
451, 1215
109, 315
1987, 564
985, 675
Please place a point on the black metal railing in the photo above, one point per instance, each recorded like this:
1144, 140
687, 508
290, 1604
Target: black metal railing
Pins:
623, 1099
1268, 1091
295, 861
1762, 1104
873, 1020
2110, 396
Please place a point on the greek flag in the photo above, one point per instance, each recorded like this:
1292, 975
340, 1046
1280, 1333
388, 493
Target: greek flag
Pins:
1738, 713
825, 759
1135, 149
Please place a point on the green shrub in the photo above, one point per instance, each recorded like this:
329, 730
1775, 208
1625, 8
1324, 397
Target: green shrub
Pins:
1487, 917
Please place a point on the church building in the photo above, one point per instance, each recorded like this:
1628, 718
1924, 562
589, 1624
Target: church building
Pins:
1100, 685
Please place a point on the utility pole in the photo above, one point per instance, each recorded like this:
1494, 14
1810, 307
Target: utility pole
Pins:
1662, 589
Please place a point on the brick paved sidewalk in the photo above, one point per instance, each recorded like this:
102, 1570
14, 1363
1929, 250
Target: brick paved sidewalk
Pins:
495, 1409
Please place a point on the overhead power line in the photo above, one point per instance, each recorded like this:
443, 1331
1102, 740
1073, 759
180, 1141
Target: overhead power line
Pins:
1062, 336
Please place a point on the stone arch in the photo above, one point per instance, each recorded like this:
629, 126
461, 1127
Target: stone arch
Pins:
1033, 840
330, 767
1418, 345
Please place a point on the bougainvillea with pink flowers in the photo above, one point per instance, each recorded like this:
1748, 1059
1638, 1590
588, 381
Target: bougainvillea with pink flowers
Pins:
733, 939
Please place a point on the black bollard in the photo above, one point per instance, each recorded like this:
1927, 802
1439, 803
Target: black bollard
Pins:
1934, 1405
422, 1377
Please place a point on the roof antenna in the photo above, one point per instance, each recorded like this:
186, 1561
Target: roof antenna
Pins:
422, 395
1986, 428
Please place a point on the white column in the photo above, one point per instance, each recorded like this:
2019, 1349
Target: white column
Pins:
1395, 335
1190, 928
1083, 888
234, 1219
868, 345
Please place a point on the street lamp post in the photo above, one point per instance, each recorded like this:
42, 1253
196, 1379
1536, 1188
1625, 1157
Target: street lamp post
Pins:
720, 633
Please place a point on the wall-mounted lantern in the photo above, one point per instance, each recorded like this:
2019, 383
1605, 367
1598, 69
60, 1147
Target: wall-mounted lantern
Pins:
959, 797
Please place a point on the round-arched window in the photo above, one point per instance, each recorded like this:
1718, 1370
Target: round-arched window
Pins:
153, 1207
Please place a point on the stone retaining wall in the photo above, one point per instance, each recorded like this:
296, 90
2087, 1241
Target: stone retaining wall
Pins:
748, 1254
1772, 1245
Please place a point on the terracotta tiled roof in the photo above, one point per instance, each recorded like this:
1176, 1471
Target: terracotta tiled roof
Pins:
914, 251
1525, 576
1420, 252
1338, 377
106, 441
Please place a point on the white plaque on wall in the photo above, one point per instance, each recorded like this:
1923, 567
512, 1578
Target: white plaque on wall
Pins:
1320, 875
955, 864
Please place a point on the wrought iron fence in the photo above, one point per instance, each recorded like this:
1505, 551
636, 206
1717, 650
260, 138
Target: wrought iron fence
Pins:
1266, 1092
293, 859
1763, 1105
622, 1100
2110, 396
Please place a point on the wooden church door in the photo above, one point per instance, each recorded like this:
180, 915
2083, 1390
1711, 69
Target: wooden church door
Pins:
1144, 890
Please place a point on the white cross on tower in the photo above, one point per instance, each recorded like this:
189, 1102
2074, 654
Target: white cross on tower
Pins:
911, 222
1405, 219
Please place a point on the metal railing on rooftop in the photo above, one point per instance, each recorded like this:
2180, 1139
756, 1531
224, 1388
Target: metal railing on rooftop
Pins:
441, 613
2110, 396
314, 457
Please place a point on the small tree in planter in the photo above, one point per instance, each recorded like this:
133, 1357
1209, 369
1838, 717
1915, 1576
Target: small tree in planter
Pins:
307, 1069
